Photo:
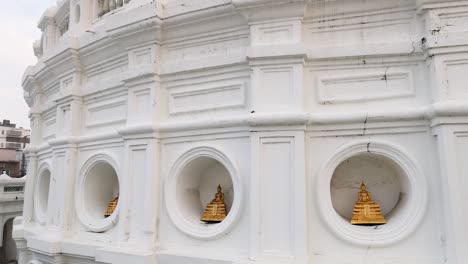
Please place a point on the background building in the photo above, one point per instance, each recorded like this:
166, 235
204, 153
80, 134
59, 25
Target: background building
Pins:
289, 105
9, 162
12, 143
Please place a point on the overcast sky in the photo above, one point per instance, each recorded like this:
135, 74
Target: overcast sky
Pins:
18, 31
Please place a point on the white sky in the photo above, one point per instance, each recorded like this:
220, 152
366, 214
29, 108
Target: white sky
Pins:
18, 31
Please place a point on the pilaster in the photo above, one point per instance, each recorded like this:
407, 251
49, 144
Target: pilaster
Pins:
63, 180
28, 207
140, 202
36, 126
278, 200
450, 142
445, 43
276, 56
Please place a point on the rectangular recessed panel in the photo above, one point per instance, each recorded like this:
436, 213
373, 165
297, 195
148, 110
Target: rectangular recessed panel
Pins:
49, 125
142, 102
364, 87
142, 56
207, 98
138, 163
274, 34
109, 113
461, 171
276, 89
275, 197
456, 75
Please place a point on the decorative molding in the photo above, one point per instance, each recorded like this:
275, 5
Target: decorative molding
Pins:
360, 20
276, 32
51, 92
365, 86
106, 113
456, 78
109, 68
274, 181
105, 107
49, 123
207, 98
142, 56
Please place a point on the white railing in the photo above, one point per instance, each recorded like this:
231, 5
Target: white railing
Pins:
11, 188
106, 6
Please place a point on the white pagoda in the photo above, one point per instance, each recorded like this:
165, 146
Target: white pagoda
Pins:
288, 105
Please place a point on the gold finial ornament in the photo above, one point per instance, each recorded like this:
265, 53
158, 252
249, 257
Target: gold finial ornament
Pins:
215, 211
111, 207
366, 211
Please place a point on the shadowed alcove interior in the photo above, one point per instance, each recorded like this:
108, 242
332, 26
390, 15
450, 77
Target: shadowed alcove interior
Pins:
42, 194
101, 186
384, 179
197, 184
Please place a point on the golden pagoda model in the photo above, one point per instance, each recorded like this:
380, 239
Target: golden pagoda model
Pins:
215, 211
366, 211
111, 207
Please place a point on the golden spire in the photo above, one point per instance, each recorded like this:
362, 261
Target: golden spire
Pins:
111, 207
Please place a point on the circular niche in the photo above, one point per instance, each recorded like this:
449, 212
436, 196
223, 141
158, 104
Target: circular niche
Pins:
42, 194
99, 184
192, 186
392, 178
380, 174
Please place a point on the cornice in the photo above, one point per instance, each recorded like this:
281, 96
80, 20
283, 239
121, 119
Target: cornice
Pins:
66, 60
124, 25
148, 30
293, 53
198, 15
257, 10
141, 76
257, 3
47, 18
425, 5
447, 48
